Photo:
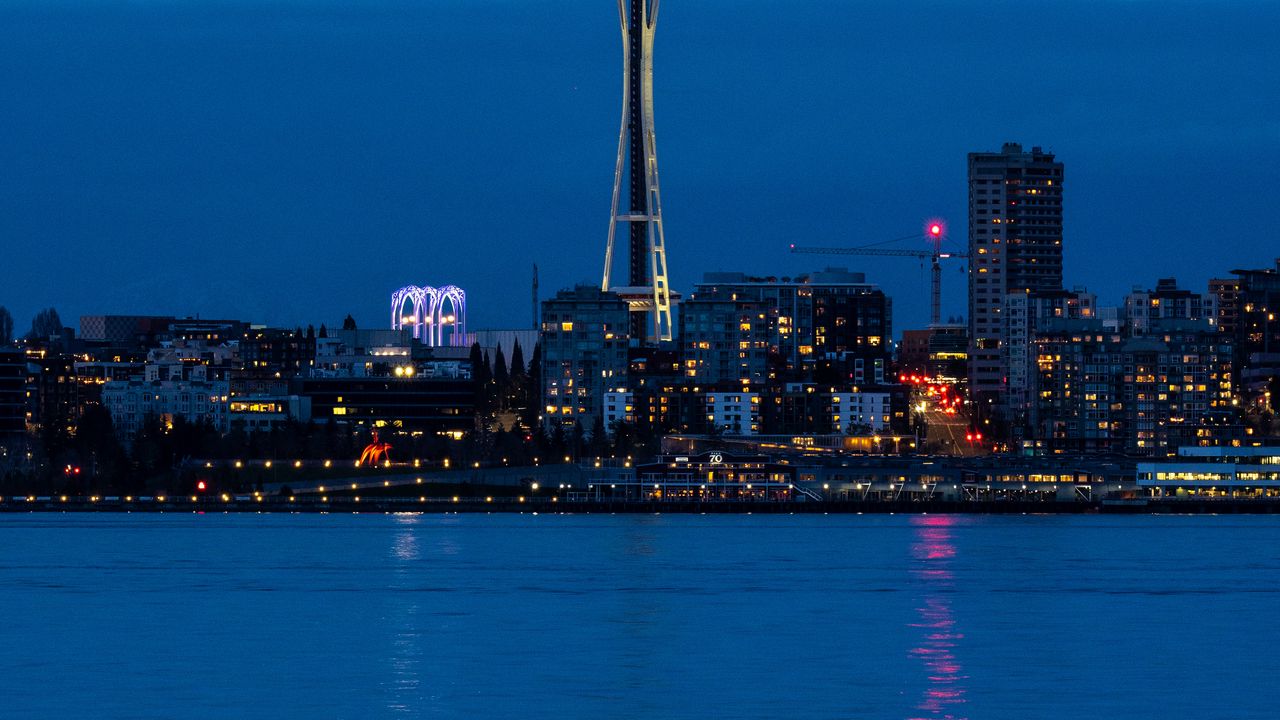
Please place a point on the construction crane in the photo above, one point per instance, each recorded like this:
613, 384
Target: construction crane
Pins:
934, 234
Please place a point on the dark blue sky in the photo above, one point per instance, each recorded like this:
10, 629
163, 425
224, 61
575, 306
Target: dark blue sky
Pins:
291, 162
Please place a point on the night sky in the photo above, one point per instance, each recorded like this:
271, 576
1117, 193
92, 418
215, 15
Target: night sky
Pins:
292, 162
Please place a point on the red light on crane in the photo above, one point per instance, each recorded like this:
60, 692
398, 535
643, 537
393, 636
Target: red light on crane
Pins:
935, 229
201, 486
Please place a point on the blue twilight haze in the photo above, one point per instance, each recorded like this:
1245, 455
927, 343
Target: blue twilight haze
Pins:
291, 161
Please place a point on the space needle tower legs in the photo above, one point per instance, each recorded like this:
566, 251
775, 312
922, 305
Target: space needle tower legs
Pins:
637, 155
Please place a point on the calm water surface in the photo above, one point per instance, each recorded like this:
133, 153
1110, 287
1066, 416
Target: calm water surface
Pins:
671, 616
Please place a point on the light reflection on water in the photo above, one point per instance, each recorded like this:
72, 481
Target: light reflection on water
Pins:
565, 617
405, 655
932, 552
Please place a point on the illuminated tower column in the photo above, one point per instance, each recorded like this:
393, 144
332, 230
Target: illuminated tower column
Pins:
637, 152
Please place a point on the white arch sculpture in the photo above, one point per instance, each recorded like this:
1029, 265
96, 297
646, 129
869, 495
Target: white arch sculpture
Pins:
426, 306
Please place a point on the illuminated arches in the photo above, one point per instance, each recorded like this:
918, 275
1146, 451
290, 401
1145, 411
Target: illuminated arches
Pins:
442, 311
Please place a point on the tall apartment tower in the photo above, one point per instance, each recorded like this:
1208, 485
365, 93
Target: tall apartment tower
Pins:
1015, 246
584, 354
638, 208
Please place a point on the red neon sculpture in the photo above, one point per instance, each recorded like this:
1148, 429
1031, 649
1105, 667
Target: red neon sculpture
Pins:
375, 452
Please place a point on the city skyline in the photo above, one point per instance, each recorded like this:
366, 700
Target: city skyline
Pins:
295, 180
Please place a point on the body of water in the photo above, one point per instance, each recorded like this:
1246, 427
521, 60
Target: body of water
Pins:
637, 616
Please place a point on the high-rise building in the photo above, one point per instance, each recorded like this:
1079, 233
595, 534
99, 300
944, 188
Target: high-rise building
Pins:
53, 404
584, 354
1258, 335
13, 393
1226, 293
1015, 245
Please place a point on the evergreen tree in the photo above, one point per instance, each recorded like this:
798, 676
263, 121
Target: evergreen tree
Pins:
599, 442
559, 444
500, 375
535, 364
578, 439
349, 323
324, 331
530, 390
517, 361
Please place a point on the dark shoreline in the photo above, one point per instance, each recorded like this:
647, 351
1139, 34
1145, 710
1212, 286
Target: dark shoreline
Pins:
511, 505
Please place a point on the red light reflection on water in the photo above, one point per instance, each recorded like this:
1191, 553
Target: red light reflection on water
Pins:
932, 552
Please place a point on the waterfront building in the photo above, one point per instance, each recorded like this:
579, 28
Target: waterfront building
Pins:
831, 325
266, 412
1015, 246
710, 475
859, 413
1103, 391
1025, 313
619, 407
733, 413
726, 339
194, 399
410, 401
585, 338
808, 409
1211, 472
